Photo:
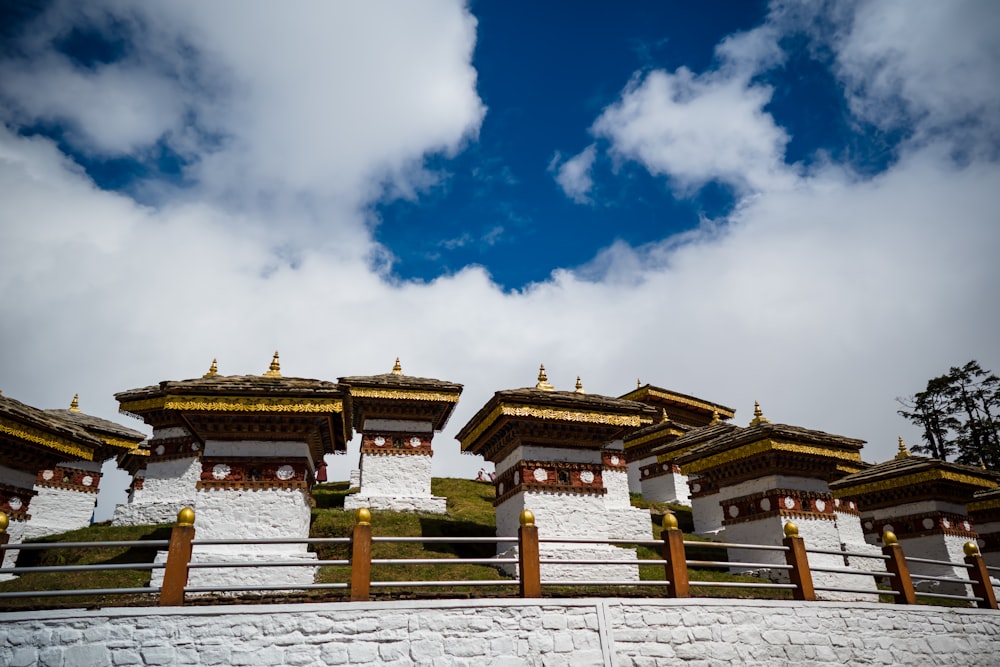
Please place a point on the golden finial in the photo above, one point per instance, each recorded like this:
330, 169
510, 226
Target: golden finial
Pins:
527, 518
758, 415
396, 368
970, 549
364, 516
579, 386
543, 379
638, 383
274, 370
903, 452
4, 522
185, 518
791, 530
74, 405
715, 417
669, 521
982, 463
213, 370
889, 538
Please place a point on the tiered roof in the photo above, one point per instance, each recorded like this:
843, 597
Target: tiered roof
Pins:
680, 408
397, 396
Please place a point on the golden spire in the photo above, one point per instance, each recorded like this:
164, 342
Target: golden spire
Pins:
982, 463
396, 368
74, 405
579, 386
715, 417
903, 452
758, 415
543, 379
274, 370
638, 383
213, 370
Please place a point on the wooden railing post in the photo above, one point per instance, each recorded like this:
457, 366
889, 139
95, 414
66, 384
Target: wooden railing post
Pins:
896, 565
673, 553
361, 557
981, 587
4, 535
175, 574
796, 556
528, 565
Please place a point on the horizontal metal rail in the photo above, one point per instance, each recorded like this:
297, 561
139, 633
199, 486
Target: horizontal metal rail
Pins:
865, 591
86, 591
266, 563
731, 545
273, 540
992, 568
37, 546
947, 580
849, 570
857, 554
730, 564
470, 582
641, 582
443, 540
599, 561
257, 589
945, 596
911, 559
742, 584
443, 561
82, 568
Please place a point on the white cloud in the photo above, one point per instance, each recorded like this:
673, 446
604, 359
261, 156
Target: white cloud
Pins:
573, 175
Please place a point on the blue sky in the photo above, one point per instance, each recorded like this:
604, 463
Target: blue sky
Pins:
787, 202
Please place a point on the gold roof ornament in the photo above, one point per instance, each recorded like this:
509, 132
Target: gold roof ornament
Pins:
274, 370
74, 405
758, 415
396, 368
982, 463
213, 370
579, 386
543, 380
638, 383
903, 451
715, 417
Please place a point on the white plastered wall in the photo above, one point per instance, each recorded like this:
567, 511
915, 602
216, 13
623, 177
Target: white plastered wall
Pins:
401, 483
168, 487
669, 488
937, 547
56, 510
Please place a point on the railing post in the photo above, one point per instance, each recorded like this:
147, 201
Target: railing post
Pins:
896, 565
4, 535
361, 557
981, 587
796, 556
673, 553
175, 574
528, 565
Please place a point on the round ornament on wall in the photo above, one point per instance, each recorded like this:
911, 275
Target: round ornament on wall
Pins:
765, 504
15, 503
789, 502
615, 460
586, 477
928, 523
734, 511
820, 504
517, 477
541, 474
47, 475
285, 472
87, 480
160, 449
379, 441
221, 471
414, 441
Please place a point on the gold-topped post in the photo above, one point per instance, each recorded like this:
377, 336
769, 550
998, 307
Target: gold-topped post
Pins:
796, 556
4, 535
543, 380
675, 568
361, 556
213, 370
274, 370
397, 369
982, 587
896, 565
175, 572
758, 415
74, 405
528, 559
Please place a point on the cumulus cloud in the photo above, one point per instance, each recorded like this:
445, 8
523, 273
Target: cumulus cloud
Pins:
573, 175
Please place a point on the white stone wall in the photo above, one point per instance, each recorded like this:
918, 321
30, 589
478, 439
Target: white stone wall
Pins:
15, 529
168, 487
56, 510
560, 633
937, 547
853, 539
616, 483
396, 475
706, 513
634, 476
629, 523
669, 488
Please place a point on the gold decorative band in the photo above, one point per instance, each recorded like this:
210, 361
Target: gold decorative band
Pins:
405, 394
44, 439
761, 446
556, 415
235, 404
908, 480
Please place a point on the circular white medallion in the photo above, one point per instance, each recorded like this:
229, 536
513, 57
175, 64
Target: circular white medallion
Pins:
499, 488
836, 502
615, 460
695, 488
586, 476
928, 523
820, 504
966, 525
285, 472
15, 503
765, 504
160, 449
221, 471
414, 442
541, 474
868, 525
851, 505
946, 523
47, 475
645, 473
87, 480
789, 502
734, 511
664, 467
379, 441
195, 446
517, 477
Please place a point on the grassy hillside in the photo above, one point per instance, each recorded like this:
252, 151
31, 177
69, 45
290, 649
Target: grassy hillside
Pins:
470, 513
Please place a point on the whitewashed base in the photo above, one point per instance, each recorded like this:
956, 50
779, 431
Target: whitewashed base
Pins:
427, 504
938, 547
143, 514
668, 488
576, 573
16, 531
629, 523
56, 510
291, 576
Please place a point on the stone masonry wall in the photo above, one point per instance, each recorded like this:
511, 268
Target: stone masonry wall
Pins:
506, 632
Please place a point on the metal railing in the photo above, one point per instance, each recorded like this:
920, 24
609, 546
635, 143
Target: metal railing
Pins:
528, 565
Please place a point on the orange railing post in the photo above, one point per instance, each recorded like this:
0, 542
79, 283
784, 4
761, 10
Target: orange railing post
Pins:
796, 556
528, 565
4, 535
896, 565
361, 557
673, 553
981, 587
175, 574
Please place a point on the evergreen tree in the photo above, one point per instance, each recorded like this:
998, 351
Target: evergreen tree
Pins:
959, 413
